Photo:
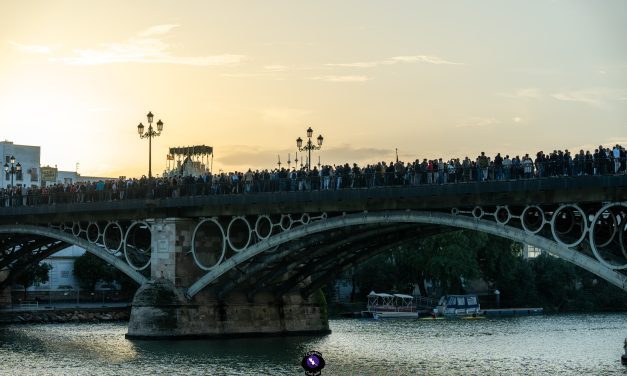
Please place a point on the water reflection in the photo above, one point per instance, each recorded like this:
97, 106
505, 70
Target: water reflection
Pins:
81, 342
563, 344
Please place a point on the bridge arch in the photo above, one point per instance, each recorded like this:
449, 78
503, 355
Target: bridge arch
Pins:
418, 217
73, 240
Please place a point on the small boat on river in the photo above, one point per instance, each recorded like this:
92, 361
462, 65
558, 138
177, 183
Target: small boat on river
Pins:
458, 306
383, 305
467, 307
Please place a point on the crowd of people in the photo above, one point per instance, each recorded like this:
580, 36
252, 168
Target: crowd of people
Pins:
602, 161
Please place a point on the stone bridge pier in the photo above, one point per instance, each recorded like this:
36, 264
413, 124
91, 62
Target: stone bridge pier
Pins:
5, 293
161, 310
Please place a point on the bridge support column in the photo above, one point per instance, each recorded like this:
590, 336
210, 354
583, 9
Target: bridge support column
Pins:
160, 309
5, 294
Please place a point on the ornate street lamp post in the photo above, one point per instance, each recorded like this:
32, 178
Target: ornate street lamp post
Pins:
13, 170
309, 146
149, 134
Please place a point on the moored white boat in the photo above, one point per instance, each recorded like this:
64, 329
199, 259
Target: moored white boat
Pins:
458, 306
383, 305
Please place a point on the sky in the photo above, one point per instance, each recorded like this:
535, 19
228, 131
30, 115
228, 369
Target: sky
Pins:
429, 78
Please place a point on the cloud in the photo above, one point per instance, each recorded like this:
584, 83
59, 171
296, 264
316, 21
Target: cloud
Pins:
578, 96
145, 47
346, 153
156, 30
242, 157
525, 93
100, 109
32, 49
477, 122
421, 59
272, 75
341, 78
283, 115
275, 68
395, 60
591, 96
517, 119
607, 143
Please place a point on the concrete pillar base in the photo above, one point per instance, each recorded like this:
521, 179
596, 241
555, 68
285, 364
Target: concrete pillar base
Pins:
160, 311
5, 294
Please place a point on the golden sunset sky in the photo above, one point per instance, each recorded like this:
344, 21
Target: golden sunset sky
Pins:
431, 78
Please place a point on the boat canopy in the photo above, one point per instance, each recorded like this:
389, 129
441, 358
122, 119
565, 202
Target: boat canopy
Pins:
381, 295
403, 296
390, 302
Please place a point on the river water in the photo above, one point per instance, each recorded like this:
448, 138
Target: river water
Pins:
580, 344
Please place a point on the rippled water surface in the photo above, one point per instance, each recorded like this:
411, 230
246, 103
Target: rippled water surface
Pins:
542, 345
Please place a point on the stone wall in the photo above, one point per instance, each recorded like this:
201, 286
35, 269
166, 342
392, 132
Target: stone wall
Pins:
64, 316
5, 294
160, 311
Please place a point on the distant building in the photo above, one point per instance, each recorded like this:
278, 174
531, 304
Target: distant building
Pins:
62, 285
71, 177
61, 276
530, 251
28, 157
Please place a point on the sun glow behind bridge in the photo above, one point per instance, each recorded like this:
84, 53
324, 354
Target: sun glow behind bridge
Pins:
433, 80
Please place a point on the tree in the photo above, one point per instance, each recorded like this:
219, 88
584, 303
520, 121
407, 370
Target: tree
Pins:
375, 274
90, 269
34, 274
449, 257
555, 281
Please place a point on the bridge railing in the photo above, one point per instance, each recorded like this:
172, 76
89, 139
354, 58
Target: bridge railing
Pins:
299, 181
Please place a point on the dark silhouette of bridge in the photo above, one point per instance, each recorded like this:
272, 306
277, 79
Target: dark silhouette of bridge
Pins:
215, 265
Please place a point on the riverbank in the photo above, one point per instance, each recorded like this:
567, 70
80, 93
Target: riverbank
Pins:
66, 315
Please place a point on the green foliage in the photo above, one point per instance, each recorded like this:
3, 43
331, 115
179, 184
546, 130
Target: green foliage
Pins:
451, 256
321, 301
34, 274
90, 269
555, 281
378, 273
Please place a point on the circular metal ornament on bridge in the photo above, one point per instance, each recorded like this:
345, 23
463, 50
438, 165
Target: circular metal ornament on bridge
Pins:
108, 234
608, 221
502, 215
455, 211
532, 219
286, 222
223, 240
305, 219
478, 212
93, 232
568, 212
76, 229
238, 223
622, 237
140, 253
619, 228
68, 226
263, 227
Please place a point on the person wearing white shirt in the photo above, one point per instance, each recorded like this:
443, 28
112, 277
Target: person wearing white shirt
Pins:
616, 154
